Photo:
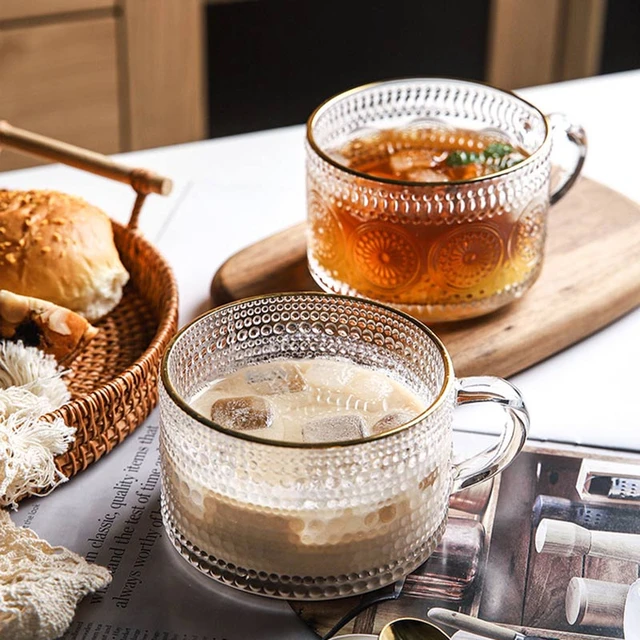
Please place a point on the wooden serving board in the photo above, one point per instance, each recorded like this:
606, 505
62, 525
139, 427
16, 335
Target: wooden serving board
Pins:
591, 276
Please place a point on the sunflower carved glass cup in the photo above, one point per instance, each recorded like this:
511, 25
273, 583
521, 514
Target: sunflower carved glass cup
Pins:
441, 246
317, 520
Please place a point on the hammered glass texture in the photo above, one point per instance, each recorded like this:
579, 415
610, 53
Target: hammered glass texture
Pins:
296, 522
438, 251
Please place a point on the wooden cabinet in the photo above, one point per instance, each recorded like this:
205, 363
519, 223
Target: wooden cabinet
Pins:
103, 74
62, 80
22, 9
545, 41
120, 75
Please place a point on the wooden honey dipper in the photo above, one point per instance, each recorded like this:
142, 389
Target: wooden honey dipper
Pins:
568, 539
596, 603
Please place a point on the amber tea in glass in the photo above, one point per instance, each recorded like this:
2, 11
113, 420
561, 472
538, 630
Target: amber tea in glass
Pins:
431, 195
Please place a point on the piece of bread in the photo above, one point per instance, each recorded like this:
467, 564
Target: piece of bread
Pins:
54, 329
59, 248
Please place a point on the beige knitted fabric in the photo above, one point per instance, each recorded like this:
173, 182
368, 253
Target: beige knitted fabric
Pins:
40, 585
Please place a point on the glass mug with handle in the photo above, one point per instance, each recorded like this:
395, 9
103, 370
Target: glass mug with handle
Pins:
323, 520
432, 194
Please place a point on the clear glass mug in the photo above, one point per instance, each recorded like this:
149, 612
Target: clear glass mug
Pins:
326, 520
439, 250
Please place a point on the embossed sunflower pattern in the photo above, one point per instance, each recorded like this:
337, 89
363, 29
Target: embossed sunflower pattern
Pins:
466, 257
326, 231
527, 238
386, 257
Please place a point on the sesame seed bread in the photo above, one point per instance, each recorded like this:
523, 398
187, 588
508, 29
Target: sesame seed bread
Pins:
51, 328
59, 248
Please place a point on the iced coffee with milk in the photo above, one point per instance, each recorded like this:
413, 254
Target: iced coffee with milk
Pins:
310, 401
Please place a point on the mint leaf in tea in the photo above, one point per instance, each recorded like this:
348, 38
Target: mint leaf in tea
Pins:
429, 154
497, 155
448, 249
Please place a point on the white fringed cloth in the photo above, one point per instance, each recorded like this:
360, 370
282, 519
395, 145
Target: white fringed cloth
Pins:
40, 585
31, 385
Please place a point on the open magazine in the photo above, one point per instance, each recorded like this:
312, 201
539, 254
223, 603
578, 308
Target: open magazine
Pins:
549, 548
546, 548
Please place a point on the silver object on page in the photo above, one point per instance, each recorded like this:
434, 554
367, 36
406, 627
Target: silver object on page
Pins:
568, 539
596, 603
607, 482
482, 628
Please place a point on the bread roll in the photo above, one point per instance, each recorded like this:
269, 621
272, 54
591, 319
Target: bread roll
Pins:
38, 323
59, 248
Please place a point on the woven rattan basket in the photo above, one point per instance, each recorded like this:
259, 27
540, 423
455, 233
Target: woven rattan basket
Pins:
113, 383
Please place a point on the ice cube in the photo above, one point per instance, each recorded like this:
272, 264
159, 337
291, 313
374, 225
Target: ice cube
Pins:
426, 175
267, 380
408, 159
328, 374
370, 386
391, 421
334, 428
231, 385
340, 158
246, 413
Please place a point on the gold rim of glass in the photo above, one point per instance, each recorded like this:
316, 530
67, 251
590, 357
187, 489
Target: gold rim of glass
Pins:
184, 406
319, 110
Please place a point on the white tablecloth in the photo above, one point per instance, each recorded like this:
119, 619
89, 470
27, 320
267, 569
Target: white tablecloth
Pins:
231, 192
234, 191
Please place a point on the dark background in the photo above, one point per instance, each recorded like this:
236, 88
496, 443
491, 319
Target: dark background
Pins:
281, 58
621, 51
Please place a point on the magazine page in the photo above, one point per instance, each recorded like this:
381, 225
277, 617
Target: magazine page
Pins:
110, 514
549, 548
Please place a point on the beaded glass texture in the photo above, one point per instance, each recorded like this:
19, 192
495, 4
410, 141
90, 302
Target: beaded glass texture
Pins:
438, 250
295, 520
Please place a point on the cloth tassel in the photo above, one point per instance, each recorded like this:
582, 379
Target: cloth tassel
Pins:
28, 447
32, 370
31, 385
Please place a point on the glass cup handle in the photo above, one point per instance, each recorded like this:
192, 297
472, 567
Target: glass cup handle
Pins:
486, 464
576, 135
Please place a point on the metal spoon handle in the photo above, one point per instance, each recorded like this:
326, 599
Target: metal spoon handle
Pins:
391, 592
474, 625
